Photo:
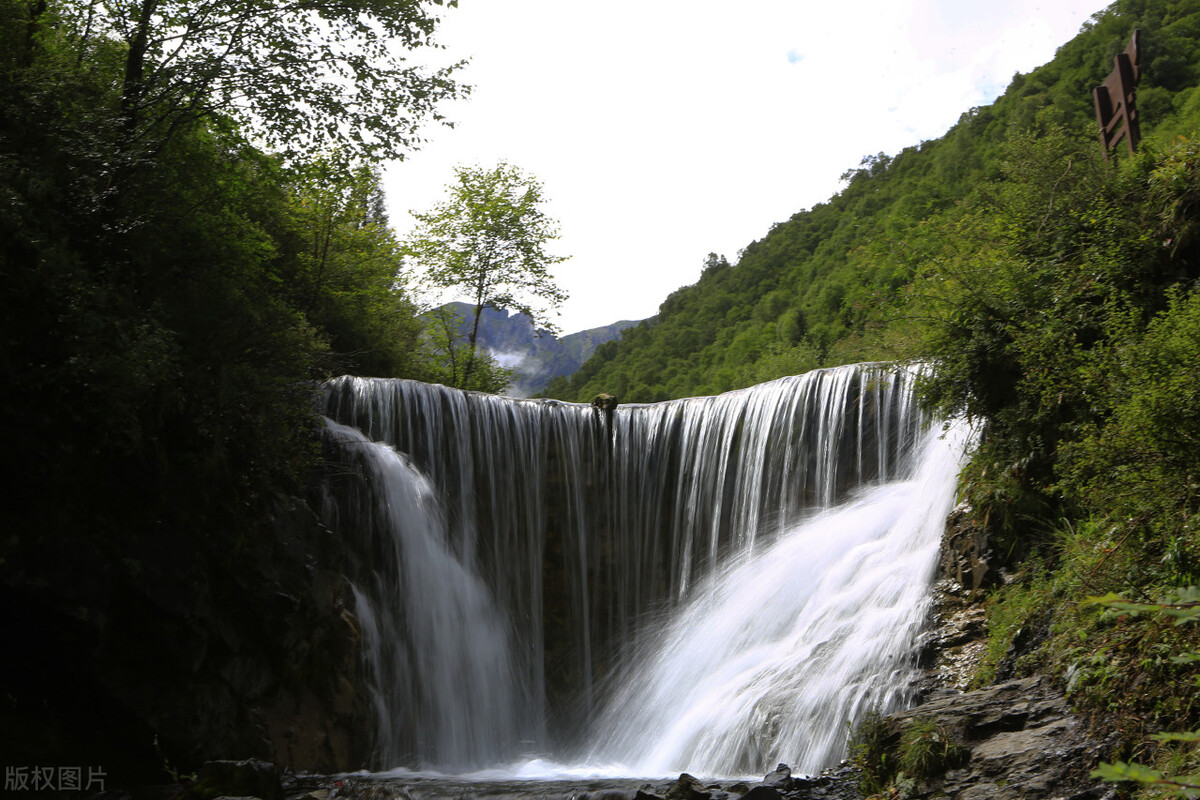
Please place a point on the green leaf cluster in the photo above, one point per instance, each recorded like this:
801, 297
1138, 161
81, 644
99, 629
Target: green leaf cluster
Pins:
1184, 607
893, 757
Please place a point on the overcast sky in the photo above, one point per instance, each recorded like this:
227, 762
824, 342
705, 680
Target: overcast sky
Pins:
663, 130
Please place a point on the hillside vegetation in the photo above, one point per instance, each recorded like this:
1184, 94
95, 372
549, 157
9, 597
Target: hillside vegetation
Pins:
825, 287
173, 295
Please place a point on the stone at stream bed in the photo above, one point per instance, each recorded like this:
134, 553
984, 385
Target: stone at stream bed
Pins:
838, 783
762, 793
688, 787
250, 778
780, 779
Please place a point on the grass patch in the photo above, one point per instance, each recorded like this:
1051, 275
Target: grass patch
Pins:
869, 752
927, 749
894, 757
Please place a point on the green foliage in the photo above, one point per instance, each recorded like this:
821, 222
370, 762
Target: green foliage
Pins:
302, 78
927, 749
447, 352
343, 269
1030, 298
1139, 462
893, 758
1011, 609
173, 294
869, 744
1180, 786
1184, 607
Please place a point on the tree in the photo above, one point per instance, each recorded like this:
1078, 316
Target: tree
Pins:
303, 76
343, 270
489, 240
446, 355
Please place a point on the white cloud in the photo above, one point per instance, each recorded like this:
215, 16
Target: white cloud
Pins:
665, 129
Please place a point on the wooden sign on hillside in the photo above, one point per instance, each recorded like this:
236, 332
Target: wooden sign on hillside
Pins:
1116, 110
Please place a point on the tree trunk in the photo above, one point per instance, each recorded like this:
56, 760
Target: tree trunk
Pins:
135, 65
471, 342
36, 10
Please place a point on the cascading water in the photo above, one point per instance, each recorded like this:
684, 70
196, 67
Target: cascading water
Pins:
776, 652
692, 549
438, 649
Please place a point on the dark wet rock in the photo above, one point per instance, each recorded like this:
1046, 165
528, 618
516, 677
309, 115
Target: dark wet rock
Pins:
605, 402
780, 779
956, 639
608, 794
839, 783
955, 643
688, 787
967, 558
762, 792
248, 778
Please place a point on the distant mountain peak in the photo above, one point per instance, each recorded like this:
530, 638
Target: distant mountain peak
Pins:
535, 356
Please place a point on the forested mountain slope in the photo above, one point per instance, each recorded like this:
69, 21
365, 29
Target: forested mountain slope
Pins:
823, 288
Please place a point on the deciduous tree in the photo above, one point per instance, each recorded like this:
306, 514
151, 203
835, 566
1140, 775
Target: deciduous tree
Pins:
488, 240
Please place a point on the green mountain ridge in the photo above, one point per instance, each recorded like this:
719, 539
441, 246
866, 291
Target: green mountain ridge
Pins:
826, 286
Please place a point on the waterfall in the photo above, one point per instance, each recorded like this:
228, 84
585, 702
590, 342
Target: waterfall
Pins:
712, 584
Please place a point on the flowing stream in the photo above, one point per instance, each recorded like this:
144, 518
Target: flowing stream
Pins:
711, 585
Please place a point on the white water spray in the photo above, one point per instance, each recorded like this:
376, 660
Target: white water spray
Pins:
777, 653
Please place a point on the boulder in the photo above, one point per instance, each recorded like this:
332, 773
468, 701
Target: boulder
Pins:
688, 787
762, 792
780, 779
605, 402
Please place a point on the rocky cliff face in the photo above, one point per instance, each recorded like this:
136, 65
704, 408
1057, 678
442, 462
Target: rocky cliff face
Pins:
1014, 740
